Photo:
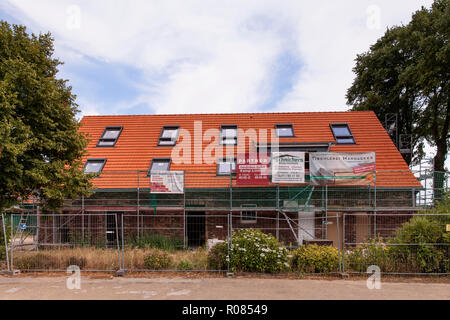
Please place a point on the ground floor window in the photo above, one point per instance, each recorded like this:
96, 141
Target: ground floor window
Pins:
248, 216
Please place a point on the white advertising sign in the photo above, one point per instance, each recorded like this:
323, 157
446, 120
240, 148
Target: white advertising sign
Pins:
288, 167
167, 182
340, 168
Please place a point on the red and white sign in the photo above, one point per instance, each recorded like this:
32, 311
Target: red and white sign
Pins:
167, 182
252, 169
365, 168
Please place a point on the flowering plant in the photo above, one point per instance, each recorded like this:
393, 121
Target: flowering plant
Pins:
254, 251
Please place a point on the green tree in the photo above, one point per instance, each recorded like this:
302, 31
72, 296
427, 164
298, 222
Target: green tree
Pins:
407, 72
40, 146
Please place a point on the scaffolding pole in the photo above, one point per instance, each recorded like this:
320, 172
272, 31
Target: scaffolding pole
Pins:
82, 217
338, 240
326, 213
123, 245
343, 243
138, 209
184, 209
375, 203
278, 213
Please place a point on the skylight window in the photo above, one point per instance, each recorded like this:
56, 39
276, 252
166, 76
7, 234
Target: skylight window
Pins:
159, 165
109, 137
225, 167
228, 135
342, 133
94, 165
284, 130
169, 136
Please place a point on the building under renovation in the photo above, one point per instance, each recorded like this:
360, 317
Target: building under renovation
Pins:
290, 174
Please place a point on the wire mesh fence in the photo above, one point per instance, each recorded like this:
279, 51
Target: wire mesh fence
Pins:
397, 243
52, 242
171, 242
112, 241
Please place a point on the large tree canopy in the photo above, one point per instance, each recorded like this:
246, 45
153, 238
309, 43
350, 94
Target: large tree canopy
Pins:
407, 72
40, 146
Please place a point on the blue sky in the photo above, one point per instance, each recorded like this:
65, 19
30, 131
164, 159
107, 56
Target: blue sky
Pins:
193, 56
146, 57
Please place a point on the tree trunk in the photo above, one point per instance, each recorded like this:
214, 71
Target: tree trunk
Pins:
439, 167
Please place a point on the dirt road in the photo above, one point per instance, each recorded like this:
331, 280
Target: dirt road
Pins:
210, 288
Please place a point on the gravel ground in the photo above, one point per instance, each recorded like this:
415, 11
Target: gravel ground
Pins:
167, 287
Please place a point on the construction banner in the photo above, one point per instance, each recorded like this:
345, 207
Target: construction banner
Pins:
342, 169
167, 182
288, 167
252, 169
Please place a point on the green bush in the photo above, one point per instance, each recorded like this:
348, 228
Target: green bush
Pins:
422, 244
217, 257
185, 265
254, 251
315, 259
361, 257
443, 206
155, 241
157, 260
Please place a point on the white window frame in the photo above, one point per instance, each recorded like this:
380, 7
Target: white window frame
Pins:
224, 139
99, 160
168, 142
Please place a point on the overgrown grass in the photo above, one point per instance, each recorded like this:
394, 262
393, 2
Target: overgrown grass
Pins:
154, 240
60, 259
105, 259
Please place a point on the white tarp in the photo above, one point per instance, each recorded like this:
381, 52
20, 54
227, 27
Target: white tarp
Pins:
288, 167
167, 182
342, 168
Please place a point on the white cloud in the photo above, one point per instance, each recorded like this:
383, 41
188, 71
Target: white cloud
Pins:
329, 38
217, 56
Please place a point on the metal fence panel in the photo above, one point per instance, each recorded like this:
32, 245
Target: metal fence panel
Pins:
374, 239
55, 241
164, 242
4, 248
105, 241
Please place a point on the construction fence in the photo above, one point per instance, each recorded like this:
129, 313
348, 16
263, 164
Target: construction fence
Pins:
109, 242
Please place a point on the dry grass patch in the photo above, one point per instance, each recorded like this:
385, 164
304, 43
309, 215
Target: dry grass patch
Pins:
104, 259
60, 259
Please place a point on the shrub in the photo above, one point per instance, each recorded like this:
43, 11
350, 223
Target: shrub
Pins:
254, 251
157, 260
217, 257
417, 244
185, 265
315, 259
361, 257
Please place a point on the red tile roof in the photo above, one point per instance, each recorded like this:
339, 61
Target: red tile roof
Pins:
138, 144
